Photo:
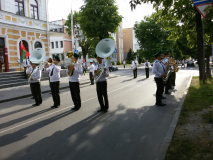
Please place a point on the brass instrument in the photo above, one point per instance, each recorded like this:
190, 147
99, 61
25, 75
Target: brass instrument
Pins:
72, 62
171, 62
176, 68
104, 49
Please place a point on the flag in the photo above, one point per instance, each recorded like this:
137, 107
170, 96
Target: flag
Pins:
24, 51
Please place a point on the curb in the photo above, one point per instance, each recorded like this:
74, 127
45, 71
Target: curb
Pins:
166, 142
47, 91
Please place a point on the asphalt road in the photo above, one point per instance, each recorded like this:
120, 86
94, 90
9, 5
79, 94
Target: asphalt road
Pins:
132, 129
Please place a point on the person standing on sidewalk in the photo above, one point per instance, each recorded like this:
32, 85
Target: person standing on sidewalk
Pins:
91, 69
1, 63
84, 67
134, 64
74, 83
124, 62
147, 65
35, 85
159, 72
183, 63
101, 86
54, 74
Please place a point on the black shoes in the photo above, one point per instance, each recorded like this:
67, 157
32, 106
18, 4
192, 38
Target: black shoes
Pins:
160, 104
163, 97
167, 92
55, 106
103, 110
75, 108
34, 105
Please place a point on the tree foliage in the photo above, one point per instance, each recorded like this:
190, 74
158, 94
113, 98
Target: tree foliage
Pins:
98, 18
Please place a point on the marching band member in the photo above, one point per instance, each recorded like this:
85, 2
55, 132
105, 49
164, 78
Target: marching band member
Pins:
25, 63
50, 61
91, 69
101, 86
134, 63
54, 74
168, 82
28, 73
147, 65
74, 83
35, 85
84, 67
159, 72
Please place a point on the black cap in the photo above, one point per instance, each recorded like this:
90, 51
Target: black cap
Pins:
57, 57
76, 55
160, 52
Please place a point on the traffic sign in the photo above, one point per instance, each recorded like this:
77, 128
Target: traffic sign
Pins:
76, 51
201, 5
115, 50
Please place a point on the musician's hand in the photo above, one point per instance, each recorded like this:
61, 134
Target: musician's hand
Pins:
95, 71
105, 69
163, 75
31, 79
28, 66
46, 65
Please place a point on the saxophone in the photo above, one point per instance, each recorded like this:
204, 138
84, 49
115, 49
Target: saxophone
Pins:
171, 62
72, 63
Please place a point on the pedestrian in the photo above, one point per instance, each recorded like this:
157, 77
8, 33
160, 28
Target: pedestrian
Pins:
159, 72
101, 86
74, 83
35, 85
91, 69
183, 63
134, 67
1, 63
84, 66
147, 65
124, 62
54, 74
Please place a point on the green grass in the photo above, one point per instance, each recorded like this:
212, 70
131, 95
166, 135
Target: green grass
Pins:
194, 145
199, 96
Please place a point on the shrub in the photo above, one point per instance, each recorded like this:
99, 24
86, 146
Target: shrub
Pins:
113, 63
118, 63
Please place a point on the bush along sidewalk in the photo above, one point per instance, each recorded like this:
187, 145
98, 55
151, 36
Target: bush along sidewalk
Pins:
193, 137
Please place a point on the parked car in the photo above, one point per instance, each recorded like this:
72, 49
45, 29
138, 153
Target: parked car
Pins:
190, 64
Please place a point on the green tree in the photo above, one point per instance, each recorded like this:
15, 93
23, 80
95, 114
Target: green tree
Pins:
129, 56
187, 16
98, 18
75, 21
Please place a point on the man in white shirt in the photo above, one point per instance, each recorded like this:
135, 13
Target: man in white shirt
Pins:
84, 67
35, 83
25, 64
147, 65
91, 69
134, 64
54, 74
159, 72
101, 86
74, 83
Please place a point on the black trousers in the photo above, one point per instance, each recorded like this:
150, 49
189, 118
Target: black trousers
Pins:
55, 92
101, 88
168, 83
173, 77
25, 74
84, 70
75, 94
91, 77
147, 72
160, 88
135, 73
36, 91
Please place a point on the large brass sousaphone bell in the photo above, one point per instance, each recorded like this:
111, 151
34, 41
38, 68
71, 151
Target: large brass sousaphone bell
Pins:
37, 56
104, 49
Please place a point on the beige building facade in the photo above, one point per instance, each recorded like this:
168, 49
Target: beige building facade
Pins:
26, 21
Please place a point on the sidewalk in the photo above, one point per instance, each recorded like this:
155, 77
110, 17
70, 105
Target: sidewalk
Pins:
14, 93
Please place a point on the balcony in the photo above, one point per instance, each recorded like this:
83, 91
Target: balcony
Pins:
56, 30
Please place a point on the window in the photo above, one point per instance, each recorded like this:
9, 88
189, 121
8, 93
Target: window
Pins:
62, 45
56, 44
33, 9
52, 44
38, 45
19, 7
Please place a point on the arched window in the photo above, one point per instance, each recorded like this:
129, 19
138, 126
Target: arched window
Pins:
19, 7
37, 45
25, 45
33, 9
